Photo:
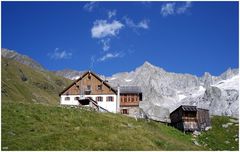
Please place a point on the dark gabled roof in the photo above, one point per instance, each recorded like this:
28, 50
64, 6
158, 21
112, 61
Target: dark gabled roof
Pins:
185, 108
188, 108
130, 89
83, 75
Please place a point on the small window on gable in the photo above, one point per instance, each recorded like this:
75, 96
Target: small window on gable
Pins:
99, 98
110, 98
67, 98
99, 87
88, 87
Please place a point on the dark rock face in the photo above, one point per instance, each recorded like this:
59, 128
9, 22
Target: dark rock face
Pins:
23, 76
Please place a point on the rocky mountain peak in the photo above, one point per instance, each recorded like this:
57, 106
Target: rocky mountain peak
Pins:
229, 73
150, 68
146, 63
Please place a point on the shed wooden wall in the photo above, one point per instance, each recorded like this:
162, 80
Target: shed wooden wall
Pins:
203, 118
176, 116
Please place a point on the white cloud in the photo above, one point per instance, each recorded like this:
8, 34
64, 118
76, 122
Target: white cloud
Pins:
102, 28
172, 8
110, 56
57, 54
112, 13
90, 6
142, 24
106, 44
184, 8
92, 61
168, 9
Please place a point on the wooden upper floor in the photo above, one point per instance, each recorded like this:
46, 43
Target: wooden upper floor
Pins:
89, 84
130, 99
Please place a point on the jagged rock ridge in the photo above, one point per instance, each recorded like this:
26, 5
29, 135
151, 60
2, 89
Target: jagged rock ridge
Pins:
68, 73
10, 54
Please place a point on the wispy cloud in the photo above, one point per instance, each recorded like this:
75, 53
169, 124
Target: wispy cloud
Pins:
144, 24
110, 56
112, 13
105, 44
58, 55
90, 6
184, 7
102, 28
168, 9
92, 61
172, 8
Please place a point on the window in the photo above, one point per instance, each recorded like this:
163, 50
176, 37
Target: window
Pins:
132, 99
124, 111
88, 87
99, 98
76, 98
109, 98
99, 87
140, 97
129, 99
125, 99
67, 98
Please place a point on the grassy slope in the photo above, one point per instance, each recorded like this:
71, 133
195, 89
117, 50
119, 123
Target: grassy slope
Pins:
40, 86
217, 137
41, 127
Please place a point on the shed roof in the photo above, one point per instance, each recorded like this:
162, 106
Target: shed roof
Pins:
189, 108
185, 108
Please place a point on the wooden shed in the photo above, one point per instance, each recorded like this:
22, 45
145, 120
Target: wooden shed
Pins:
203, 118
190, 118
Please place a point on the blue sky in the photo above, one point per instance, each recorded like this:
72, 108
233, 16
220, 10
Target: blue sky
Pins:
111, 37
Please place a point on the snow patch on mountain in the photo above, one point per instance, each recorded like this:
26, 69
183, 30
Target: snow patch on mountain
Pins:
128, 80
232, 83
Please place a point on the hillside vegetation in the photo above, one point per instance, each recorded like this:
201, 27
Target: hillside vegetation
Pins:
223, 135
21, 83
41, 127
44, 127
